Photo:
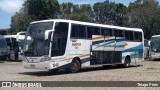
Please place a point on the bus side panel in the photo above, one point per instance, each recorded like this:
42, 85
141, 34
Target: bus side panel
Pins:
80, 48
135, 51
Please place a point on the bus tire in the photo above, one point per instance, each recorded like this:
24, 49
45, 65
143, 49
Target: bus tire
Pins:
127, 62
75, 66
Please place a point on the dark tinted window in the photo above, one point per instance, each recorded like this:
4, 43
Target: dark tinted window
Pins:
82, 32
118, 33
138, 36
59, 39
93, 31
75, 31
97, 31
89, 32
106, 32
121, 33
78, 31
129, 35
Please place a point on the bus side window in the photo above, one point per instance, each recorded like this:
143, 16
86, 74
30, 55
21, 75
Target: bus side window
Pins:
78, 31
89, 32
116, 33
74, 31
97, 31
82, 31
106, 31
127, 35
121, 33
138, 36
131, 35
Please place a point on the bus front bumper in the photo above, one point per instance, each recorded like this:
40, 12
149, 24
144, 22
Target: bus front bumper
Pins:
155, 55
47, 65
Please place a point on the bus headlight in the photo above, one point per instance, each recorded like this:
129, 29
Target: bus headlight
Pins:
152, 53
44, 59
24, 59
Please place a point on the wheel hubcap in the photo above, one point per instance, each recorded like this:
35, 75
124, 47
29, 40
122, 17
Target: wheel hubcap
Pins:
74, 66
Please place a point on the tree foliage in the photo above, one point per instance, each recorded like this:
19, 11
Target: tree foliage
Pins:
19, 22
33, 10
110, 13
143, 14
76, 12
42, 9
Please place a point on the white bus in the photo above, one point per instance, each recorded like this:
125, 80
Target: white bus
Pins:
72, 45
14, 42
3, 48
155, 47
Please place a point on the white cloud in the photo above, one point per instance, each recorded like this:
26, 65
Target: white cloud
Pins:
11, 6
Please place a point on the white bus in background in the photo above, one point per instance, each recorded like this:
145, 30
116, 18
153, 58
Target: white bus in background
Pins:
3, 49
72, 45
146, 48
15, 43
155, 47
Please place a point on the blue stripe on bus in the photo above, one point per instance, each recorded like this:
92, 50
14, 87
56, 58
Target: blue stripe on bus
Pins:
138, 48
107, 44
136, 55
102, 41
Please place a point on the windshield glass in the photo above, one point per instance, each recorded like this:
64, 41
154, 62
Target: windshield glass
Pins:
155, 44
34, 44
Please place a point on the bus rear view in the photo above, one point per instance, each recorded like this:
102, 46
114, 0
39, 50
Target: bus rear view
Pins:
155, 47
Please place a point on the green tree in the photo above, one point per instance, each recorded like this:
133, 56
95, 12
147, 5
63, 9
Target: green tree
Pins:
76, 12
110, 13
145, 14
33, 10
19, 22
42, 9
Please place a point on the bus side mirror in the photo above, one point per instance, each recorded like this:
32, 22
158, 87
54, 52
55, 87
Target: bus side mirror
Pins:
149, 43
48, 34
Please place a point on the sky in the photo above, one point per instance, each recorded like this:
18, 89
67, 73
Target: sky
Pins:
9, 7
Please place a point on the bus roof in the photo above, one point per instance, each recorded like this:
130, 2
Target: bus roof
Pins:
14, 36
10, 36
89, 24
156, 36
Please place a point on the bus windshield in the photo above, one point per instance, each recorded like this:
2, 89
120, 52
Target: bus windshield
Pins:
155, 45
3, 46
34, 44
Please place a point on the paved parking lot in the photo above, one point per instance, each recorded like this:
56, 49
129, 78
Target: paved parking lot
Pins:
148, 71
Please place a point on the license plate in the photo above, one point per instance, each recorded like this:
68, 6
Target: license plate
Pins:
32, 65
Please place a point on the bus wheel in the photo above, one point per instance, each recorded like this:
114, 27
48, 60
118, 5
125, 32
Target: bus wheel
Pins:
74, 66
127, 62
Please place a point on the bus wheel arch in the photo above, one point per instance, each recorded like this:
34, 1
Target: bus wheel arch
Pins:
75, 65
127, 61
